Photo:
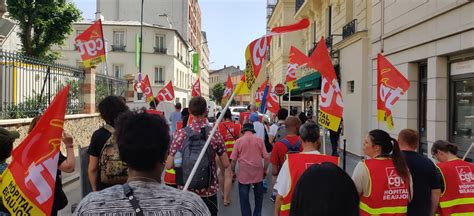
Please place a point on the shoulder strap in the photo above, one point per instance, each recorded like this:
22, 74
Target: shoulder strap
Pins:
109, 128
298, 145
133, 200
229, 131
287, 143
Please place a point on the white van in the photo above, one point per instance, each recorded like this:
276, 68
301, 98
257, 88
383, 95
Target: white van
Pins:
212, 108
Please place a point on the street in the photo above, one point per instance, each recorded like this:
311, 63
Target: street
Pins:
73, 192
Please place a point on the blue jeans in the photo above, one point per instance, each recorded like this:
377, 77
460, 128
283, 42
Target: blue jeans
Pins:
244, 192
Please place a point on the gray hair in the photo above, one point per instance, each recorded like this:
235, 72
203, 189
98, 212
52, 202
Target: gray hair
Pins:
309, 132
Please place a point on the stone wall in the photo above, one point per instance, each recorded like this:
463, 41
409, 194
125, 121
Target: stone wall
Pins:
80, 126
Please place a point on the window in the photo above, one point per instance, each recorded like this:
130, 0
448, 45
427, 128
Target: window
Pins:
279, 41
159, 75
118, 71
350, 87
184, 102
160, 46
176, 100
462, 123
119, 38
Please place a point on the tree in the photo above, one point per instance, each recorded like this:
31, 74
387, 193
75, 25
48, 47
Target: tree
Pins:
218, 92
42, 24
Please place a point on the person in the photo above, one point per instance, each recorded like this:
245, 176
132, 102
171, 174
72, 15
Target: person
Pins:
278, 126
7, 138
290, 143
230, 131
334, 137
296, 164
249, 152
197, 109
153, 105
303, 118
456, 180
175, 117
185, 116
259, 127
383, 181
143, 141
65, 164
426, 189
109, 108
325, 189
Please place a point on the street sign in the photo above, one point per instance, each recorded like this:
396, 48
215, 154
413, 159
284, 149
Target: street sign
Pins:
280, 89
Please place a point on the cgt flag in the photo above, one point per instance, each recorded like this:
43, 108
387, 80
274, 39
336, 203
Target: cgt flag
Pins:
166, 93
229, 88
391, 85
28, 183
196, 88
91, 45
330, 105
146, 89
259, 94
297, 59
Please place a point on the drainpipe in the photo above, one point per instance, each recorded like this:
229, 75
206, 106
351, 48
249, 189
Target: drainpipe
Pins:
382, 21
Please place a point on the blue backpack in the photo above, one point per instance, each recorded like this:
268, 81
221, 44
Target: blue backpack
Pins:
292, 149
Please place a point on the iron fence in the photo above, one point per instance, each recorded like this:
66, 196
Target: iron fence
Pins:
28, 85
108, 85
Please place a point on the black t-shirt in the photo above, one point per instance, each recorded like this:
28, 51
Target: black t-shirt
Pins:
425, 179
60, 199
98, 140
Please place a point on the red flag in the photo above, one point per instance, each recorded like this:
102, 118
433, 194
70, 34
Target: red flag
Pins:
229, 88
302, 24
391, 85
146, 89
272, 102
91, 45
331, 104
297, 59
196, 88
28, 182
166, 93
259, 93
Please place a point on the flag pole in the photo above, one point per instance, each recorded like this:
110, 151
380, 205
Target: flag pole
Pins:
208, 141
289, 99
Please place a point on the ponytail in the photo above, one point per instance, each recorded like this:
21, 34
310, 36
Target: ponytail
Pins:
399, 160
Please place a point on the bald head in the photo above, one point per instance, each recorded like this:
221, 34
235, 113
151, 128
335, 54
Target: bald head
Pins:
292, 125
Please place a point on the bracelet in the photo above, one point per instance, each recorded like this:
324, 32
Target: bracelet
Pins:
70, 146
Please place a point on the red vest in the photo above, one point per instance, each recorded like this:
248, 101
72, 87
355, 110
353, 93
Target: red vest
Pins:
388, 194
154, 112
297, 164
458, 195
228, 131
170, 177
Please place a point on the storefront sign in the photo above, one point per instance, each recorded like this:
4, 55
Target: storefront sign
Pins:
463, 67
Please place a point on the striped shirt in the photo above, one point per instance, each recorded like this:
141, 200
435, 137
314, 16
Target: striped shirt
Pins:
154, 199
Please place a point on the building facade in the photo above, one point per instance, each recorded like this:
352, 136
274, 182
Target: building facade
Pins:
221, 75
165, 55
204, 72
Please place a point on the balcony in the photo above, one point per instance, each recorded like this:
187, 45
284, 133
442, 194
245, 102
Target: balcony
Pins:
298, 4
349, 29
328, 45
160, 50
118, 48
160, 82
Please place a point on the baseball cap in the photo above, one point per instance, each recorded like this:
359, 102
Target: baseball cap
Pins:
254, 117
248, 127
6, 135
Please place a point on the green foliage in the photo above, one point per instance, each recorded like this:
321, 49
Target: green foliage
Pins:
101, 91
218, 92
43, 23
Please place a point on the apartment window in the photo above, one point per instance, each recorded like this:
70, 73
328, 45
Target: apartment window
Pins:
160, 46
329, 23
119, 38
118, 71
159, 75
176, 100
350, 86
184, 102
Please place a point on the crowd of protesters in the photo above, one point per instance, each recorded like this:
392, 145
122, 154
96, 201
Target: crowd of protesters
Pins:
140, 162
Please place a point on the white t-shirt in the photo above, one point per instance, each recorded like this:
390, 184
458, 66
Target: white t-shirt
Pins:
259, 130
283, 182
274, 128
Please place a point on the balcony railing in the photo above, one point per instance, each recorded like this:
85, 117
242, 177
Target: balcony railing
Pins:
328, 45
349, 29
118, 48
161, 82
160, 50
298, 4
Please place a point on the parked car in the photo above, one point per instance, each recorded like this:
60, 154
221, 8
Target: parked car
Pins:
236, 110
212, 108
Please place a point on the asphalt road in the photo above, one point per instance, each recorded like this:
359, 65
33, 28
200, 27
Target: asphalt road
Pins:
73, 192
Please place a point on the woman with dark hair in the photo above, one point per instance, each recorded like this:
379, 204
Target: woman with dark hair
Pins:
325, 189
384, 182
456, 177
185, 116
109, 108
65, 164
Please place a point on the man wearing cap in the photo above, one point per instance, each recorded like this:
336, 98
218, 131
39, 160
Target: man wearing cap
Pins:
6, 145
249, 150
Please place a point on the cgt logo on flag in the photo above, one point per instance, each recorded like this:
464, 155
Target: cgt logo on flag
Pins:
166, 93
394, 180
90, 45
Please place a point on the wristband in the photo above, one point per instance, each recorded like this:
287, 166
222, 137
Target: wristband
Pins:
70, 146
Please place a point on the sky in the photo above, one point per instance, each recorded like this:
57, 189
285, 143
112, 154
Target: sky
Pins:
230, 26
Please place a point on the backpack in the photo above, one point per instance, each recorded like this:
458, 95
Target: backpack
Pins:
112, 170
268, 145
281, 132
291, 149
191, 148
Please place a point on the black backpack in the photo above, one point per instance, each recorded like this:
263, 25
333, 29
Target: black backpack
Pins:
191, 148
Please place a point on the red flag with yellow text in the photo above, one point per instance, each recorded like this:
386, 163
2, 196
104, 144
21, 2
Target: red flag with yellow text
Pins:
28, 183
330, 105
391, 85
91, 45
146, 89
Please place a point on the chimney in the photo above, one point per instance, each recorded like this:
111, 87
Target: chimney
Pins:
238, 67
225, 66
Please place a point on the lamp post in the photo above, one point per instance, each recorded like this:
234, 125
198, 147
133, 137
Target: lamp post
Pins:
141, 43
